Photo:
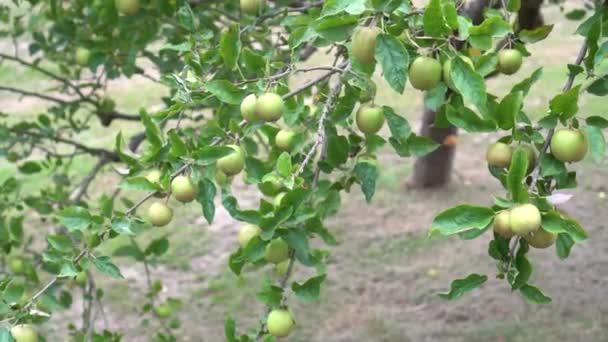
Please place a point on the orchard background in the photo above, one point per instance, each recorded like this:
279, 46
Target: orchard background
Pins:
168, 79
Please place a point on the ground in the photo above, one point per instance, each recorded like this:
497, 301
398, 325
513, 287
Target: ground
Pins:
385, 273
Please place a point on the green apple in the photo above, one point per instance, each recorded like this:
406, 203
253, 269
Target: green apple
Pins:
153, 176
271, 188
569, 145
220, 177
279, 323
232, 163
278, 199
425, 73
270, 106
282, 267
540, 238
183, 189
502, 226
285, 140
370, 119
248, 108
524, 219
499, 154
24, 333
127, 7
159, 214
247, 233
163, 310
81, 278
509, 61
252, 7
447, 68
364, 44
82, 55
16, 265
277, 250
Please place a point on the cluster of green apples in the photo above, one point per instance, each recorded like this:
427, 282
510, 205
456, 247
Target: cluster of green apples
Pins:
523, 220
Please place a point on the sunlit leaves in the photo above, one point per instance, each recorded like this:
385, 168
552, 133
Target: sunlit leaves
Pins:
461, 218
461, 286
394, 60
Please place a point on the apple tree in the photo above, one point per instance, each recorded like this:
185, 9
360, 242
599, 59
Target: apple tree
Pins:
232, 115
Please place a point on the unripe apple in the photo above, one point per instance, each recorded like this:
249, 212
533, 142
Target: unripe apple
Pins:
569, 145
368, 93
247, 233
282, 267
285, 140
183, 189
540, 238
425, 73
447, 68
502, 226
81, 278
163, 310
277, 250
82, 55
499, 154
252, 7
159, 214
271, 188
279, 323
278, 199
232, 163
220, 177
127, 7
524, 219
15, 265
370, 119
364, 44
509, 61
270, 106
24, 333
154, 176
248, 108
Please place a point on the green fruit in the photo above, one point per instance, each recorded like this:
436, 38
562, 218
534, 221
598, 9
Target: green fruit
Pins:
425, 73
159, 214
247, 233
127, 7
370, 119
232, 163
276, 251
499, 155
220, 177
270, 188
282, 267
524, 219
509, 61
569, 145
163, 310
16, 265
81, 278
502, 226
540, 238
279, 323
368, 93
183, 189
154, 176
252, 7
270, 106
285, 140
364, 44
248, 108
447, 68
82, 56
278, 199
24, 333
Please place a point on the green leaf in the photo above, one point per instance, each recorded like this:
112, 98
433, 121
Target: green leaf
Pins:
153, 135
310, 290
30, 167
555, 223
420, 146
336, 28
469, 84
178, 147
549, 166
434, 98
284, 164
5, 335
205, 197
597, 121
122, 225
535, 35
517, 174
566, 104
225, 91
208, 155
400, 128
563, 245
468, 120
138, 183
534, 295
333, 7
524, 271
597, 143
230, 329
576, 14
508, 109
60, 242
230, 46
461, 286
270, 295
366, 174
105, 265
525, 85
75, 218
13, 291
481, 36
157, 247
461, 218
394, 59
434, 22
513, 5
337, 150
